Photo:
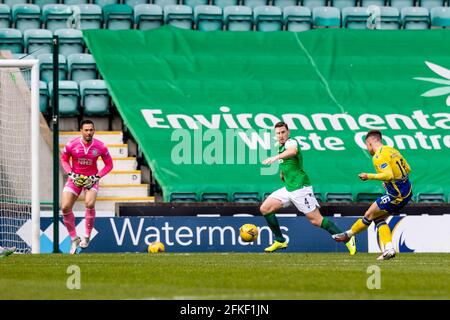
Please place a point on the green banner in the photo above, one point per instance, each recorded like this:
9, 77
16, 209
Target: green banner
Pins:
202, 105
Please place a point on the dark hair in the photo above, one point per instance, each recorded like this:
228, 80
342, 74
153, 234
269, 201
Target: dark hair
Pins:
86, 122
281, 124
374, 133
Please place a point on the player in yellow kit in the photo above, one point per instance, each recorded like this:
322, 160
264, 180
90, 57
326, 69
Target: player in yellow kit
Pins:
393, 170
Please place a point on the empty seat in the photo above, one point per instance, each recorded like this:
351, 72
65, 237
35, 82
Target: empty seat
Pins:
194, 3
55, 16
133, 3
11, 3
148, 16
94, 97
354, 18
5, 16
285, 3
70, 41
247, 197
297, 18
208, 18
268, 18
214, 197
367, 197
341, 4
38, 41
118, 16
430, 197
415, 18
179, 16
26, 16
183, 197
103, 3
400, 4
238, 18
318, 196
46, 67
440, 17
11, 39
42, 3
339, 197
43, 97
326, 17
81, 66
225, 3
314, 3
163, 3
432, 3
367, 3
74, 2
253, 3
91, 16
68, 97
390, 18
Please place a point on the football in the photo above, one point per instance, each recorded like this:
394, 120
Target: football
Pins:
248, 232
156, 247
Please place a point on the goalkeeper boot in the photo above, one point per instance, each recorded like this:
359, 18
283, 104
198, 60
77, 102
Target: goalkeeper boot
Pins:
351, 245
7, 251
276, 245
84, 243
74, 245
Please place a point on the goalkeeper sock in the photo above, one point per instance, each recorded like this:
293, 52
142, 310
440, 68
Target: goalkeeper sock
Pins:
89, 221
359, 225
69, 222
330, 226
272, 221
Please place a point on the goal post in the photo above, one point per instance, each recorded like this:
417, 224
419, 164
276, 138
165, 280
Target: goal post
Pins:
19, 159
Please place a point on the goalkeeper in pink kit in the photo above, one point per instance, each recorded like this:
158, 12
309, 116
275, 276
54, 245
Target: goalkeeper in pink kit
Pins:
82, 174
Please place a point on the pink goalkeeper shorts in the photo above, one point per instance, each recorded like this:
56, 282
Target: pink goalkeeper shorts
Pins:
71, 187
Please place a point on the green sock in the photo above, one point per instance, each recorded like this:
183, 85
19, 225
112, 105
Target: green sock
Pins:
330, 226
272, 221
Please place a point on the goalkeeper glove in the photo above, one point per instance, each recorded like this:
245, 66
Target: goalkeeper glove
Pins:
78, 179
91, 180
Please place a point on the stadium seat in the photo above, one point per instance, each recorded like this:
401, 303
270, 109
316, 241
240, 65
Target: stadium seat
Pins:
254, 3
285, 3
246, 197
118, 17
11, 3
415, 18
390, 18
179, 16
268, 18
148, 16
38, 41
354, 18
208, 18
225, 3
183, 197
133, 3
440, 17
26, 16
74, 2
195, 3
367, 197
318, 196
91, 16
103, 3
214, 197
367, 3
297, 18
341, 4
55, 16
326, 17
5, 16
70, 41
238, 18
400, 4
43, 97
68, 97
11, 39
163, 3
46, 67
81, 66
430, 197
311, 4
94, 97
339, 197
42, 3
432, 4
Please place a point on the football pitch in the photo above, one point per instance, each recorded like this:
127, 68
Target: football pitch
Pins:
225, 276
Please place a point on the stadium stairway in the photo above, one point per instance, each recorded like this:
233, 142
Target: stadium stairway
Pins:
123, 183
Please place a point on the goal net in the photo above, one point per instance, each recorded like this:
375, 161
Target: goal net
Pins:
19, 155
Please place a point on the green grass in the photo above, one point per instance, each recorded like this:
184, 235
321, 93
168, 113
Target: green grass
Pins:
225, 276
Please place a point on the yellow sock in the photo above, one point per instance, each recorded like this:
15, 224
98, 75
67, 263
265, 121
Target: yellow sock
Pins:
360, 225
385, 234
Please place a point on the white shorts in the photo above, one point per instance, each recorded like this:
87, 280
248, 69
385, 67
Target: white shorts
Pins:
303, 199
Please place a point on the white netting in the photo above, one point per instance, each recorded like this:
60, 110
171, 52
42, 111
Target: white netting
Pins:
15, 155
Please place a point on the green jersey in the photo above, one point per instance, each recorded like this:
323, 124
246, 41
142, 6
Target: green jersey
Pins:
294, 176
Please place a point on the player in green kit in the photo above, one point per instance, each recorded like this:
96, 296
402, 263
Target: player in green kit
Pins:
297, 190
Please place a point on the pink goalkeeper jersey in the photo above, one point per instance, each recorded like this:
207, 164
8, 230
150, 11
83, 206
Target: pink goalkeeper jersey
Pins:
85, 156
